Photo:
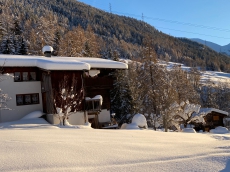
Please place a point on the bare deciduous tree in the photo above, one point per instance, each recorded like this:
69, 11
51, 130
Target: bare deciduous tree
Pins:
68, 99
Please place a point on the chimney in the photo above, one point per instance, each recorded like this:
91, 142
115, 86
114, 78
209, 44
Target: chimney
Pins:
47, 50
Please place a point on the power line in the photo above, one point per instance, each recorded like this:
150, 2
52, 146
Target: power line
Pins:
142, 17
176, 22
192, 32
190, 24
165, 20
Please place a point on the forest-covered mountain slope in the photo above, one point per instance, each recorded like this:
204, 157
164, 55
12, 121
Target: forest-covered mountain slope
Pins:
76, 29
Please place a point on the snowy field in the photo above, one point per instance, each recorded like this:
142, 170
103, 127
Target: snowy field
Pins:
34, 145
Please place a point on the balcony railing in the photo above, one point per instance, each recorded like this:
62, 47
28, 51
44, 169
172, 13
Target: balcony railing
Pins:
92, 105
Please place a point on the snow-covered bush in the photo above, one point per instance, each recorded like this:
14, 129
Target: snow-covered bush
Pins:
140, 120
188, 130
132, 126
219, 130
185, 113
123, 126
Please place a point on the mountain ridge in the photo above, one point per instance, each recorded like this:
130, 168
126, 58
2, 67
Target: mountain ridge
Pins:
225, 49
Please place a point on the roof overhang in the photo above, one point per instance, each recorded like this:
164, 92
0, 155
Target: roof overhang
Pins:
59, 63
209, 110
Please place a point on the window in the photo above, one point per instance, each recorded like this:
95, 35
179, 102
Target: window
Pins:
19, 99
216, 118
32, 76
27, 99
24, 76
35, 99
17, 76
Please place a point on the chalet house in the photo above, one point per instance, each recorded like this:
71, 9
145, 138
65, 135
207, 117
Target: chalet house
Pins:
39, 80
213, 118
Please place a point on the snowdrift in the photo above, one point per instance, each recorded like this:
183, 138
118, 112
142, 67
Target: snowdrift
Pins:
219, 130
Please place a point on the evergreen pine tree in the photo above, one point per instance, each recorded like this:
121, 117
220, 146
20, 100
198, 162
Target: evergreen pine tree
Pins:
87, 51
23, 49
56, 44
121, 97
6, 46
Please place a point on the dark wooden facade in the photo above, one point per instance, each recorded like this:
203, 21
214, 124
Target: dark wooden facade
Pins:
19, 69
99, 85
213, 120
66, 79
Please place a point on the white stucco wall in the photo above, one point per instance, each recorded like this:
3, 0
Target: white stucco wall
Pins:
12, 88
52, 119
77, 118
104, 116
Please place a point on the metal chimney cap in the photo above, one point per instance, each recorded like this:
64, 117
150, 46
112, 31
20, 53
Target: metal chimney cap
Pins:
47, 48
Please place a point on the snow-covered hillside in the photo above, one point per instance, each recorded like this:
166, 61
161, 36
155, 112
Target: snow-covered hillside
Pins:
218, 48
213, 76
34, 147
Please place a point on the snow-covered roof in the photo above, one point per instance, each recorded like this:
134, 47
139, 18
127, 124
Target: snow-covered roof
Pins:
209, 110
59, 63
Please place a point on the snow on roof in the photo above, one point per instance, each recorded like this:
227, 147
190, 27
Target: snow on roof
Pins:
209, 110
98, 62
59, 63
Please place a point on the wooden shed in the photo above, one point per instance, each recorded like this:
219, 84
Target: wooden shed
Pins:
213, 118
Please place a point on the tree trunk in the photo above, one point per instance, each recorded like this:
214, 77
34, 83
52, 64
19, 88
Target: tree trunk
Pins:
185, 125
165, 123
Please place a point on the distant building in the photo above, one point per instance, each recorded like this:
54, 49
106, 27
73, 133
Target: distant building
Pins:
213, 118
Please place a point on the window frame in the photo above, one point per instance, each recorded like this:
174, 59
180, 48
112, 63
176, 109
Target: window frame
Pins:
29, 76
18, 76
31, 100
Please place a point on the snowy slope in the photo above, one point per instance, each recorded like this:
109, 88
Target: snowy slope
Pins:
68, 149
214, 46
213, 76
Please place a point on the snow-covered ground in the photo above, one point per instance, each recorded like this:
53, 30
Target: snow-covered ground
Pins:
215, 76
34, 145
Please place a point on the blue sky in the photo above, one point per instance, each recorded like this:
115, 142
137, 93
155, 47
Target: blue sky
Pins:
204, 19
